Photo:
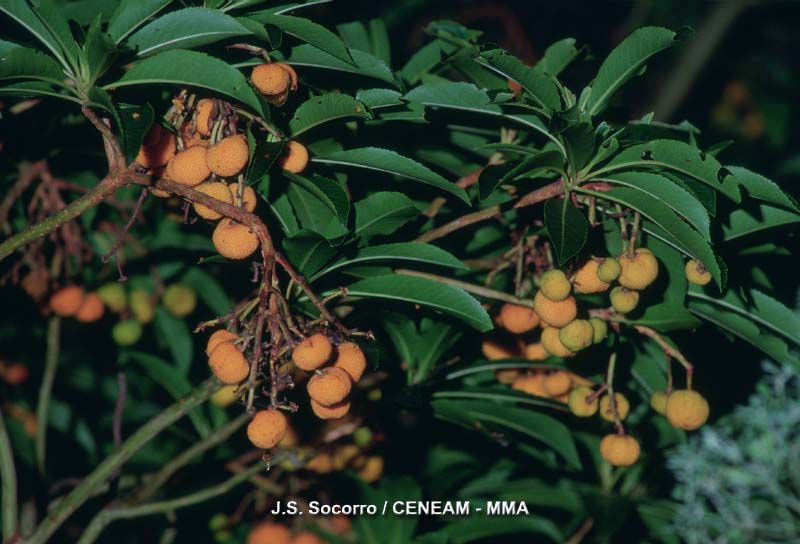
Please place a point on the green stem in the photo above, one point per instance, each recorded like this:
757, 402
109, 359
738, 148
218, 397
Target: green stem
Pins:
67, 506
470, 287
46, 390
106, 517
9, 484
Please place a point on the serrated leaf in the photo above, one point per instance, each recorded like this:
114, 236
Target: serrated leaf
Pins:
363, 64
454, 95
379, 98
135, 121
744, 222
328, 191
17, 62
762, 188
309, 252
326, 108
314, 211
307, 31
425, 59
567, 228
539, 87
439, 296
382, 213
557, 56
130, 15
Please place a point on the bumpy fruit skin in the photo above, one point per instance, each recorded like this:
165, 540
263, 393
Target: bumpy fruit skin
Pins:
658, 402
141, 306
599, 329
113, 296
555, 285
577, 402
189, 167
555, 314
269, 533
686, 409
532, 384
249, 199
334, 411
292, 75
351, 359
609, 270
205, 107
224, 396
506, 376
313, 352
66, 301
586, 280
180, 300
92, 309
331, 387
294, 157
552, 344
218, 337
535, 352
270, 79
696, 273
215, 190
576, 335
372, 469
623, 407
157, 149
267, 428
557, 383
234, 240
228, 364
127, 333
620, 450
518, 319
638, 271
228, 156
624, 300
494, 350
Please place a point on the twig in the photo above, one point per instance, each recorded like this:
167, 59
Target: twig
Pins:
582, 531
465, 220
669, 350
46, 389
541, 194
114, 154
463, 182
470, 287
119, 408
9, 484
113, 251
29, 173
612, 401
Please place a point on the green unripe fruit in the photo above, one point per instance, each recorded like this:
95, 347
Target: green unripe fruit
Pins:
180, 300
600, 328
578, 404
609, 270
576, 335
141, 306
113, 296
624, 300
127, 333
362, 437
218, 521
555, 285
658, 402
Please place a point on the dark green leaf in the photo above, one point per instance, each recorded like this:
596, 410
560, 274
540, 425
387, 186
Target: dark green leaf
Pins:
567, 228
363, 64
130, 15
309, 251
483, 528
324, 109
402, 253
307, 31
383, 213
208, 289
743, 222
17, 62
328, 191
539, 87
176, 335
557, 57
761, 188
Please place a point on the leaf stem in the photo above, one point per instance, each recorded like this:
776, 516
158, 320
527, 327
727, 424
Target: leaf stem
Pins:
46, 390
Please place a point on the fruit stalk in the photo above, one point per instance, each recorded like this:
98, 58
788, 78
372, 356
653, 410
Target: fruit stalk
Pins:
46, 388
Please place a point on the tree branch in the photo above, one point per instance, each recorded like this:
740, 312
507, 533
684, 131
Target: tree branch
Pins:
114, 154
465, 220
46, 389
470, 287
8, 472
542, 193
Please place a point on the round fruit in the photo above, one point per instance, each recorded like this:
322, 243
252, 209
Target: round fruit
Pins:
334, 411
234, 240
555, 313
638, 270
658, 402
15, 374
91, 309
535, 352
157, 149
494, 350
205, 108
599, 329
506, 376
313, 352
696, 273
292, 75
216, 190
578, 403
620, 450
624, 300
248, 196
555, 285
372, 469
322, 463
35, 283
686, 409
362, 437
576, 335
113, 296
270, 79
518, 319
351, 359
228, 364
307, 537
228, 156
532, 384
67, 300
330, 387
189, 167
127, 333
623, 407
294, 157
269, 533
141, 306
225, 396
218, 337
608, 270
180, 300
267, 428
557, 383
552, 344
586, 280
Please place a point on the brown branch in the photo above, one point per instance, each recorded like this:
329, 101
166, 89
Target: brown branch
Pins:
669, 350
114, 154
28, 174
542, 193
479, 290
461, 222
464, 182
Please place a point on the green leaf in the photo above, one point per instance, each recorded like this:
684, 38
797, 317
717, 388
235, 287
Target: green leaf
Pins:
579, 142
326, 108
135, 122
429, 293
567, 228
99, 51
176, 335
385, 160
50, 29
363, 64
426, 59
625, 61
130, 15
315, 211
379, 38
482, 528
382, 213
557, 57
538, 86
185, 29
379, 98
17, 62
454, 95
744, 222
402, 253
761, 188
309, 252
209, 290
307, 31
328, 191
355, 35
180, 67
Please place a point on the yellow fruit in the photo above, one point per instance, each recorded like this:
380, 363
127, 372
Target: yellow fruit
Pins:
586, 280
639, 270
294, 157
307, 537
180, 300
494, 350
535, 352
270, 79
141, 305
127, 333
228, 364
351, 359
267, 428
189, 167
225, 396
552, 344
620, 450
599, 329
313, 352
205, 108
506, 376
578, 403
686, 409
696, 273
216, 190
113, 296
608, 270
67, 300
292, 75
532, 384
658, 402
157, 149
623, 407
518, 319
330, 387
234, 240
277, 99
218, 337
228, 156
249, 199
269, 533
334, 411
576, 335
372, 469
322, 463
557, 383
624, 300
555, 313
555, 285
91, 309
